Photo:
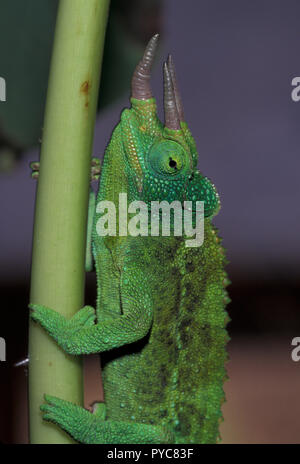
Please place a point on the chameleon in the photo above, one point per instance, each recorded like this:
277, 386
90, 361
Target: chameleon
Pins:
160, 318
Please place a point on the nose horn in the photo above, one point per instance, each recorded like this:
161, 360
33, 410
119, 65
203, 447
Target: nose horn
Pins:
178, 100
140, 84
172, 120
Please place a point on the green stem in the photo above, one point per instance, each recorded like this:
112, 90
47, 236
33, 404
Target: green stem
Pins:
57, 276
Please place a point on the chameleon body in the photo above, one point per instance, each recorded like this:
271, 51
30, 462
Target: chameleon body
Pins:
160, 315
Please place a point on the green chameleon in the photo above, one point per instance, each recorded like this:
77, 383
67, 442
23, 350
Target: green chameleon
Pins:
160, 317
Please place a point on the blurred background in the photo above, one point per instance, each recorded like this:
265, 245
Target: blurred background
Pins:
235, 61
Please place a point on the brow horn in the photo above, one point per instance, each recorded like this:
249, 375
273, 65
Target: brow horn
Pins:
178, 100
171, 115
140, 84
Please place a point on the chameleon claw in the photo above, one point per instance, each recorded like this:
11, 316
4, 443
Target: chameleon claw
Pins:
35, 167
95, 169
55, 405
69, 416
96, 162
51, 320
53, 410
53, 400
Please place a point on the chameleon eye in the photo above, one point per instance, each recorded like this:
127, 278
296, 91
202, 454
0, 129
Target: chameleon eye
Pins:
168, 158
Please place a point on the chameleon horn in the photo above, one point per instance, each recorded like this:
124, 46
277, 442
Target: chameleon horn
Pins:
171, 114
178, 100
140, 84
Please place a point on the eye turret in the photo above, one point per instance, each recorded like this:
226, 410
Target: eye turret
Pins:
168, 158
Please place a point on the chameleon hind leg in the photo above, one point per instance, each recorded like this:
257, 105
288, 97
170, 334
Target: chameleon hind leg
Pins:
92, 428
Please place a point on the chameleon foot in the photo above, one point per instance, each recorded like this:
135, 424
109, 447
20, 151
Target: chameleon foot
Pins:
95, 169
35, 167
60, 328
86, 427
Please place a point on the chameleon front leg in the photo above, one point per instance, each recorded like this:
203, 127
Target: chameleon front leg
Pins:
95, 169
77, 338
89, 428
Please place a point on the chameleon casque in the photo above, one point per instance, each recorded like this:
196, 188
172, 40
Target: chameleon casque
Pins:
160, 317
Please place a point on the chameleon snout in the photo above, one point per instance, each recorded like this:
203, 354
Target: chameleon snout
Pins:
200, 188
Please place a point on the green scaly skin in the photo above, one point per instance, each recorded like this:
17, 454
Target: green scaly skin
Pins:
160, 315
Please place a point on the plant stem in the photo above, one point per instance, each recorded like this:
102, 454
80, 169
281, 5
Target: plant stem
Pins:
57, 276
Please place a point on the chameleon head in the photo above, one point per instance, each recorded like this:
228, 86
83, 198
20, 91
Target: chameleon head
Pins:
161, 159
